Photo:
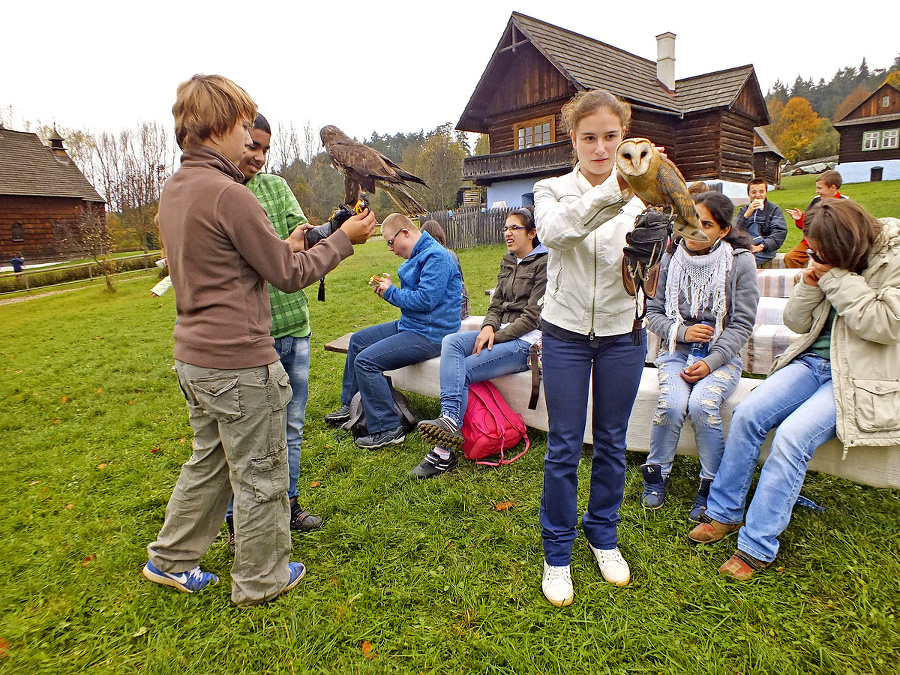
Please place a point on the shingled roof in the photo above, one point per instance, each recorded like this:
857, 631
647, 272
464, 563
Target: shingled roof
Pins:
30, 168
590, 64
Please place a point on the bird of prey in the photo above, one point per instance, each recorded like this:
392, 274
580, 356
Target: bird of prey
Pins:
658, 182
364, 168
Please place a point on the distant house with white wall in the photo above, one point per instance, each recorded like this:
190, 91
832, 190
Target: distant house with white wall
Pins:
870, 138
705, 122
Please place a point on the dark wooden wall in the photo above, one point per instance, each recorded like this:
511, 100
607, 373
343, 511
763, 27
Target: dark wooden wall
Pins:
872, 105
851, 143
766, 165
736, 147
696, 151
37, 214
501, 130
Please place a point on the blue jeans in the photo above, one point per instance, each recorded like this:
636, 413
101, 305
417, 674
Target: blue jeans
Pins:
294, 355
799, 398
372, 351
460, 368
701, 401
613, 366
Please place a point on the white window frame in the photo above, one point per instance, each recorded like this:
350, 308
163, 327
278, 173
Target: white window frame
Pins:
886, 102
889, 139
871, 140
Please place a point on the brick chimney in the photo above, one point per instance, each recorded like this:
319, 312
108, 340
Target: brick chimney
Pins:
665, 60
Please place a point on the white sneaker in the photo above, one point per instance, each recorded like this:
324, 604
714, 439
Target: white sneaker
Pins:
612, 566
557, 585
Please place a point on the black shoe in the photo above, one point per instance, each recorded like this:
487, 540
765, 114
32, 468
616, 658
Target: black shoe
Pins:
303, 521
339, 416
381, 439
433, 466
229, 521
441, 431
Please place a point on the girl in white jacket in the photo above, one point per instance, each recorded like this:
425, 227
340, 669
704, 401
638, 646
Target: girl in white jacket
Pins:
582, 218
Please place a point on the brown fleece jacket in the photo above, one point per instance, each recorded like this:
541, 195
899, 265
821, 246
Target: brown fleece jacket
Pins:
221, 250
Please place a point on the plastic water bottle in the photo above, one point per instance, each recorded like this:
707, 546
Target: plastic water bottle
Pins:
698, 350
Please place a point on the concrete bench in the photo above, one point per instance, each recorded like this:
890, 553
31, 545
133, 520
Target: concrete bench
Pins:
879, 467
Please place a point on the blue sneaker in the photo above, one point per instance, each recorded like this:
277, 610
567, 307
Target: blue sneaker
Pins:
655, 486
298, 571
188, 582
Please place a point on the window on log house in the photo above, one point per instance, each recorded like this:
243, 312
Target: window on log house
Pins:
881, 140
18, 232
531, 133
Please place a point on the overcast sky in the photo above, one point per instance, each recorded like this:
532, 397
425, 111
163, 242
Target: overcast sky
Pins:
386, 66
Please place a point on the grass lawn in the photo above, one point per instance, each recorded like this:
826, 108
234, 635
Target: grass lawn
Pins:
406, 577
882, 199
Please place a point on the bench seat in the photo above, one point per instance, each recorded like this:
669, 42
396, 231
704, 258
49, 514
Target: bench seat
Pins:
879, 467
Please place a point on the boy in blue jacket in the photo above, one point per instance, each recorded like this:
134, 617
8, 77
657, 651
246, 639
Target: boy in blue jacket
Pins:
429, 302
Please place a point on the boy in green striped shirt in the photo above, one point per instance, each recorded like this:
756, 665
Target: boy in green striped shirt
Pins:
290, 311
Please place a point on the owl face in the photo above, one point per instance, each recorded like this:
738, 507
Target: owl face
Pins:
634, 156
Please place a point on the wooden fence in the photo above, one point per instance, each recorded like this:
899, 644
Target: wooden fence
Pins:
470, 226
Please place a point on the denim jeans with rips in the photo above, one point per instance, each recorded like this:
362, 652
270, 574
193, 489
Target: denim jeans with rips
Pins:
799, 400
701, 401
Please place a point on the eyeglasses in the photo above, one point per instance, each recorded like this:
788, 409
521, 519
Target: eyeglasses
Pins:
390, 242
815, 256
511, 228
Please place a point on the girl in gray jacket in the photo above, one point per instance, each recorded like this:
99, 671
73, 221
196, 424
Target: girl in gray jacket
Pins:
705, 302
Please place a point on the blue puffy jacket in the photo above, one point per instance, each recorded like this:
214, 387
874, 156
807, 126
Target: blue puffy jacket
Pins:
431, 291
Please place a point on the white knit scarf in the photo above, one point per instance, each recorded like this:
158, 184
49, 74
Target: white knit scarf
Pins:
701, 280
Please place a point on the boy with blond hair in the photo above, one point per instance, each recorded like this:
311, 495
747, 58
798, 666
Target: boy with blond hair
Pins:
221, 251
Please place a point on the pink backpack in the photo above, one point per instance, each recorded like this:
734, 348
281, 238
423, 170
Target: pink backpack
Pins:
490, 426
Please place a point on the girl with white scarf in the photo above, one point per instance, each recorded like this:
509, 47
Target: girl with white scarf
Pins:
709, 295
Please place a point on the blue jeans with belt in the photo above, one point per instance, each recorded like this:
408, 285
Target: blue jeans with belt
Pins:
799, 399
372, 351
612, 366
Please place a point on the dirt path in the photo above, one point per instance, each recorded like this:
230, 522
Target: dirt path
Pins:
23, 298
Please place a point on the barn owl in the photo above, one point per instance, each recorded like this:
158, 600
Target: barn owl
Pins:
364, 168
658, 182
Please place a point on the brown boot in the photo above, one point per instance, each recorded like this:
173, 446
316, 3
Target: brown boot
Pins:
710, 531
742, 566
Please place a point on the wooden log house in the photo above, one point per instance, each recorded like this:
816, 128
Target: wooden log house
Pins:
705, 122
40, 189
870, 138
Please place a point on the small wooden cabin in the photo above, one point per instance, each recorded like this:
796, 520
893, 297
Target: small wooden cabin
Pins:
767, 158
870, 138
705, 122
40, 187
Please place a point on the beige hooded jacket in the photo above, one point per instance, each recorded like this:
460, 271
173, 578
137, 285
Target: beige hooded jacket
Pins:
865, 341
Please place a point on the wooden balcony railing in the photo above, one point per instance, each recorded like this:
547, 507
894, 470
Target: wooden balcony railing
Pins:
544, 159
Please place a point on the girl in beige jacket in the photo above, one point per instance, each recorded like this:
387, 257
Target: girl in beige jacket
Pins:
839, 379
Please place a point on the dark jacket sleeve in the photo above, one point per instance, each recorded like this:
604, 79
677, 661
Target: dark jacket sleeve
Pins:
777, 233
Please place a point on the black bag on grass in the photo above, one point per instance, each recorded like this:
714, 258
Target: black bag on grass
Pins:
357, 422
